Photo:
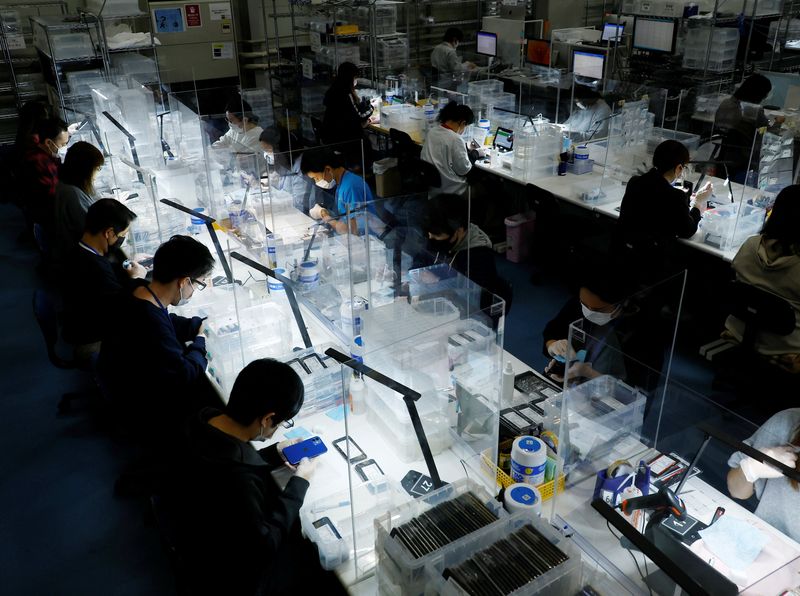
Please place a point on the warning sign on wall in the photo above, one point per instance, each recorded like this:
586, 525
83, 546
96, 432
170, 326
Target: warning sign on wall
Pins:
193, 15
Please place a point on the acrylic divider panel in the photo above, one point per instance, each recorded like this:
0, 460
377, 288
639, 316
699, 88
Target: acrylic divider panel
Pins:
621, 441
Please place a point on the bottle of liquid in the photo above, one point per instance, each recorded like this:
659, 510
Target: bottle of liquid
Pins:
430, 113
358, 395
508, 383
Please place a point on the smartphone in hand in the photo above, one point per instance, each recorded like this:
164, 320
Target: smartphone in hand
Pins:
309, 448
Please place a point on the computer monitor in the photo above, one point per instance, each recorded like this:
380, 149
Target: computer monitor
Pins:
538, 52
587, 64
487, 43
613, 32
654, 35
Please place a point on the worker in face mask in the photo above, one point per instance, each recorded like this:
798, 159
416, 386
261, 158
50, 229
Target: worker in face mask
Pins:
601, 305
355, 210
243, 130
169, 347
590, 115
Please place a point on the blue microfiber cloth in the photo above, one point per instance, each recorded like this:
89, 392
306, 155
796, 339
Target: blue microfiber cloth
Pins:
297, 433
580, 356
336, 413
734, 542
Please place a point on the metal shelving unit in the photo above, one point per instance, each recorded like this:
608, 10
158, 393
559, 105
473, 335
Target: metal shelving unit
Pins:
21, 78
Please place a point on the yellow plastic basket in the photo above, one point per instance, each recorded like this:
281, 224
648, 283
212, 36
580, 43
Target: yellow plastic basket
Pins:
545, 489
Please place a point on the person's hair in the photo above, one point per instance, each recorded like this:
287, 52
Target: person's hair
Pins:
50, 128
315, 160
454, 34
783, 223
179, 257
796, 442
345, 76
585, 92
108, 213
456, 112
241, 109
271, 136
30, 115
606, 283
754, 89
445, 214
265, 386
80, 164
668, 155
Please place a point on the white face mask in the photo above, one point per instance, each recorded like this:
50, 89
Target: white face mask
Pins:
598, 318
326, 184
235, 127
62, 154
270, 157
184, 301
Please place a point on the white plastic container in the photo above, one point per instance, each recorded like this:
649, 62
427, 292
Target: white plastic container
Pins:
523, 498
528, 460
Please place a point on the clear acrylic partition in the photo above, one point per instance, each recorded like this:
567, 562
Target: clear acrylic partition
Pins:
749, 165
541, 93
611, 430
450, 359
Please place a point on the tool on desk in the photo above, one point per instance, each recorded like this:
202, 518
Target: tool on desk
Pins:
718, 514
664, 501
356, 454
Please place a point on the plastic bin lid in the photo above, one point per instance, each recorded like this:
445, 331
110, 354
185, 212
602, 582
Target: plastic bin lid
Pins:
519, 219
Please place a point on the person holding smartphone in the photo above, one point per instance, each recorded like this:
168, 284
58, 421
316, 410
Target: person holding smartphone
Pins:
447, 151
238, 532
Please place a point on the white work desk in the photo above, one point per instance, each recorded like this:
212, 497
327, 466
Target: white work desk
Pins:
701, 500
568, 188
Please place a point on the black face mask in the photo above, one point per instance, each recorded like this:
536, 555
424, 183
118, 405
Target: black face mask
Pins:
440, 246
119, 242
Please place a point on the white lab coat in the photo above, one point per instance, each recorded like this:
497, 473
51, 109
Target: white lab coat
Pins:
446, 150
584, 121
241, 141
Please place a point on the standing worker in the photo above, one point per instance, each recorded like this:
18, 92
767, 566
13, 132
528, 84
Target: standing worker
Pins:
346, 116
444, 59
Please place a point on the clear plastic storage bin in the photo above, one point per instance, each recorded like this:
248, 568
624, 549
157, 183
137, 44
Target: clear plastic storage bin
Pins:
727, 226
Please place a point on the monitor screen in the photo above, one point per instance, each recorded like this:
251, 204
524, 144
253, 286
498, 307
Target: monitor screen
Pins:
613, 32
504, 138
585, 64
487, 43
539, 52
655, 35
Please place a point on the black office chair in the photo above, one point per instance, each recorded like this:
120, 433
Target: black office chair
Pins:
403, 146
739, 366
46, 313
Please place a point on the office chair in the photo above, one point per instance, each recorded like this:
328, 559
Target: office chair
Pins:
402, 145
739, 366
45, 311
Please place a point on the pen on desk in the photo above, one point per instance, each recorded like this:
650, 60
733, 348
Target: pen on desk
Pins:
717, 514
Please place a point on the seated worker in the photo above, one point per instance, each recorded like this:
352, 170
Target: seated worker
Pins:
737, 118
39, 173
590, 116
74, 195
243, 129
654, 213
445, 149
771, 262
284, 175
237, 531
444, 60
462, 245
625, 340
326, 169
94, 286
777, 495
153, 362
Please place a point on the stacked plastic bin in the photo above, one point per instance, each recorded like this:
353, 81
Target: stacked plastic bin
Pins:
385, 18
391, 52
722, 53
399, 572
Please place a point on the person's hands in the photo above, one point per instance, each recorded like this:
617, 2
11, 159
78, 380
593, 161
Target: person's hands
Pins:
703, 195
316, 211
470, 65
754, 470
287, 443
305, 469
200, 336
780, 119
582, 370
136, 271
560, 349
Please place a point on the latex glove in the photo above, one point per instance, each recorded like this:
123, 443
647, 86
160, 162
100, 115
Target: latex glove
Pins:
559, 350
287, 443
316, 211
136, 271
704, 193
305, 469
582, 370
754, 470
